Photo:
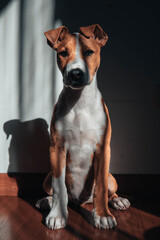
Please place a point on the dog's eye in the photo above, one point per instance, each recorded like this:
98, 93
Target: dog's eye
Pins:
63, 54
88, 52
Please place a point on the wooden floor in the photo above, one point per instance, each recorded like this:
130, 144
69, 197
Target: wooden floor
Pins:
19, 220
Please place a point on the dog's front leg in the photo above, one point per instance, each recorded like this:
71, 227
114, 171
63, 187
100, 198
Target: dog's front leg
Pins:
101, 213
57, 217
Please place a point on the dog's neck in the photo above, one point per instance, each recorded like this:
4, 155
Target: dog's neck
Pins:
78, 99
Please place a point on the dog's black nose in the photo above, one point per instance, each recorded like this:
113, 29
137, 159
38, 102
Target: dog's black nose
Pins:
76, 76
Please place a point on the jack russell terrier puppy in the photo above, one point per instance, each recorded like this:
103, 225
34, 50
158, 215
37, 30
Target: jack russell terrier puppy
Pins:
80, 133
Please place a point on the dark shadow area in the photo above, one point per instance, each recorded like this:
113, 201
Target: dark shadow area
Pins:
28, 153
152, 234
4, 4
85, 213
156, 96
149, 204
142, 189
86, 13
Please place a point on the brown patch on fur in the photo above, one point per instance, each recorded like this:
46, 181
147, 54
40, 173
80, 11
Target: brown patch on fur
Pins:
95, 32
112, 185
92, 156
69, 181
68, 178
57, 160
114, 195
92, 61
57, 150
68, 44
68, 158
47, 185
88, 186
101, 169
55, 36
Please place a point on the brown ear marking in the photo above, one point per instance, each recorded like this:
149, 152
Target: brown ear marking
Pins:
55, 36
95, 32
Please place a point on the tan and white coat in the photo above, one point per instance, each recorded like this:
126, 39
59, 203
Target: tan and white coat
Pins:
80, 133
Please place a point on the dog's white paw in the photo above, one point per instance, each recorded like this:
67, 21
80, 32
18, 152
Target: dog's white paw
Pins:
56, 223
120, 203
57, 217
104, 222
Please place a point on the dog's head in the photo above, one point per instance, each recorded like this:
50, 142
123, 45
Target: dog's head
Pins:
78, 54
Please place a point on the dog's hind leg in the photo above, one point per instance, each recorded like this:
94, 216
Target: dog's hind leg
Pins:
44, 203
117, 202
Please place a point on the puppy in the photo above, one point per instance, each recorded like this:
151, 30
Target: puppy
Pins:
80, 133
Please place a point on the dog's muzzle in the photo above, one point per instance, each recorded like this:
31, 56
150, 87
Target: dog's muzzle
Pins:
76, 78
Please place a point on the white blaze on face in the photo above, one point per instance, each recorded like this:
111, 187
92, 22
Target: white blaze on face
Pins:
78, 62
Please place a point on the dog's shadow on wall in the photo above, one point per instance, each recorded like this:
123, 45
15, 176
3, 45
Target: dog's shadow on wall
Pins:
28, 150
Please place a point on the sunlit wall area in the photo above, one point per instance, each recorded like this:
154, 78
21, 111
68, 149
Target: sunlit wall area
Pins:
9, 73
30, 84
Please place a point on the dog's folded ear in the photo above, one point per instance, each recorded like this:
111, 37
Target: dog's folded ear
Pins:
55, 36
95, 32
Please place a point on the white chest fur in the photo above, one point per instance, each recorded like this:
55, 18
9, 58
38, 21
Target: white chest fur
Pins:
82, 128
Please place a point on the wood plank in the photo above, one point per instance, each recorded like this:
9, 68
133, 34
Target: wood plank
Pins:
20, 220
8, 185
